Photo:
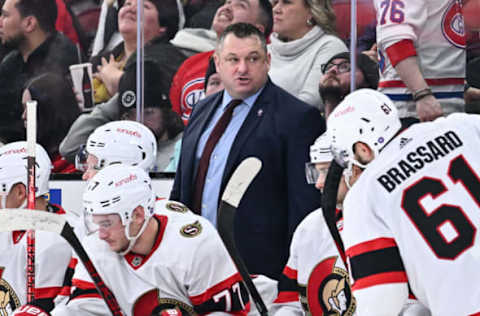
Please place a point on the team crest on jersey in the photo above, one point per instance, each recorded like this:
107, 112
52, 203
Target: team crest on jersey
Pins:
8, 298
150, 303
453, 25
328, 291
176, 207
191, 230
192, 92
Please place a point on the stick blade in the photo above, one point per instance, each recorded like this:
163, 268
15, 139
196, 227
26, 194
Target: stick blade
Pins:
23, 219
240, 180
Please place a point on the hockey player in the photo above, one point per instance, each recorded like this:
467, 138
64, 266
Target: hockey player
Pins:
421, 48
419, 218
52, 253
126, 142
315, 280
150, 260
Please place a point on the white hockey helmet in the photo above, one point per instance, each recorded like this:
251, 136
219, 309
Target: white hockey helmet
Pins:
13, 167
319, 152
366, 116
125, 142
119, 189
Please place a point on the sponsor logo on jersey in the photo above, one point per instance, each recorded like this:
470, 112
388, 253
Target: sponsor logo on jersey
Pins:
191, 230
8, 298
453, 25
137, 261
176, 207
328, 291
404, 141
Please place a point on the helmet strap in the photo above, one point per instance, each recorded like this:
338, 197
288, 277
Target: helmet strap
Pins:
133, 239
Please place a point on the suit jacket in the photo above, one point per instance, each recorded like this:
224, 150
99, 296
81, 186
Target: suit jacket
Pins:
278, 130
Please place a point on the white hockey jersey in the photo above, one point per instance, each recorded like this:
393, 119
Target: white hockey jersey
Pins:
418, 221
188, 266
52, 256
315, 269
437, 31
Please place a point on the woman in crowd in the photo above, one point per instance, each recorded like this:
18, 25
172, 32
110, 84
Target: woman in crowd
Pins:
161, 22
303, 39
57, 109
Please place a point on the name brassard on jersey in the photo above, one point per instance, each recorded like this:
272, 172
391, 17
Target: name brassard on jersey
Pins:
415, 160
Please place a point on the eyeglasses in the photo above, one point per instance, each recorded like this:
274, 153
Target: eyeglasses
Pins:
342, 67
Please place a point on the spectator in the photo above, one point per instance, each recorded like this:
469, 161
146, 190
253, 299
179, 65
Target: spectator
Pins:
167, 257
158, 116
28, 27
160, 25
422, 57
335, 82
57, 109
189, 81
267, 123
302, 40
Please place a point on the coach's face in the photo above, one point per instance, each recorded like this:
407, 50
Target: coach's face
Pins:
243, 65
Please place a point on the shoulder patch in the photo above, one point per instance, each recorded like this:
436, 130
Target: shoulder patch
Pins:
191, 230
176, 207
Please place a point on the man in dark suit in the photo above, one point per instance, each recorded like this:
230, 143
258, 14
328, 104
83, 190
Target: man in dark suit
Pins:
267, 123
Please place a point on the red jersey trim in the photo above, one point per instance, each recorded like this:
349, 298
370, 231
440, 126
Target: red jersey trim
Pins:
400, 51
290, 273
371, 245
130, 257
380, 278
430, 82
286, 297
84, 285
476, 314
47, 292
207, 295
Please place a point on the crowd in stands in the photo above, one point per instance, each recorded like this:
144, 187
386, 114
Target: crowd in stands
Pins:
213, 96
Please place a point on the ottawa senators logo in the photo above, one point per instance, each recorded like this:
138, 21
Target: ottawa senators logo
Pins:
8, 298
150, 304
191, 230
328, 291
176, 207
453, 26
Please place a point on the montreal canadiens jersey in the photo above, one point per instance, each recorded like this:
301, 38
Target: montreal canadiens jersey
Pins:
437, 30
52, 257
315, 269
188, 267
419, 220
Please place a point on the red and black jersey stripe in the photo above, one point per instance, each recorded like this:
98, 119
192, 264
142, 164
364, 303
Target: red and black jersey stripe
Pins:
376, 262
288, 289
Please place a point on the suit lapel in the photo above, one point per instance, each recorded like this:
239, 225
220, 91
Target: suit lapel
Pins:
257, 113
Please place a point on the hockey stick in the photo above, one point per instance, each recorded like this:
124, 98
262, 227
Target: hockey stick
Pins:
31, 147
21, 219
236, 187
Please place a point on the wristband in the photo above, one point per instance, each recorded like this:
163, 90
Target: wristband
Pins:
420, 94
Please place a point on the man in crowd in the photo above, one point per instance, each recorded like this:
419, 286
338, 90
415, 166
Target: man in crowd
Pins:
252, 117
189, 81
52, 252
28, 27
423, 189
335, 82
166, 261
421, 48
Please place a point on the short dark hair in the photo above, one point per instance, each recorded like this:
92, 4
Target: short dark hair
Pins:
242, 30
266, 16
168, 15
45, 11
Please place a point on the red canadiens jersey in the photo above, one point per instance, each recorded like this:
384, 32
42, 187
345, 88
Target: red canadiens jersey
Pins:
419, 220
188, 85
316, 271
436, 29
188, 267
52, 257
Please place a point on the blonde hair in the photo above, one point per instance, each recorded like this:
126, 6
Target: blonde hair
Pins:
323, 14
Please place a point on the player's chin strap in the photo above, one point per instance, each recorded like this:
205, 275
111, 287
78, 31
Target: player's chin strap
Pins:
349, 171
133, 239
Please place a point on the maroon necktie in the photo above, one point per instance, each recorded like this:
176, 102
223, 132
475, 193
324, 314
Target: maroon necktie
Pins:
212, 141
